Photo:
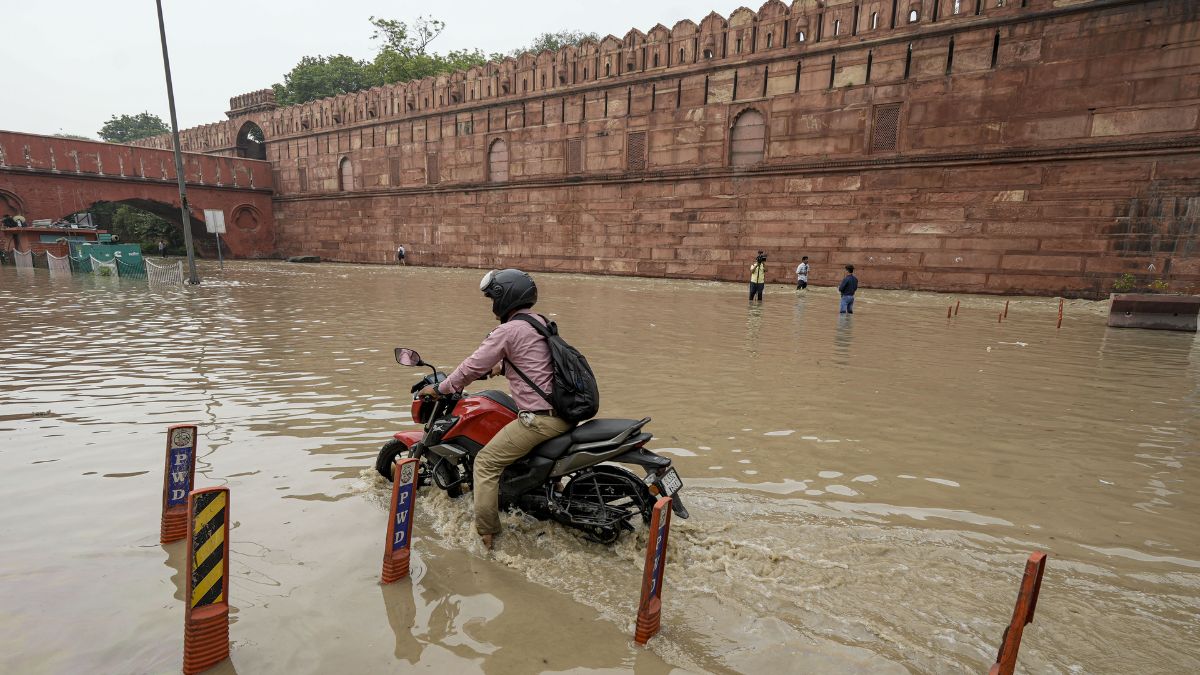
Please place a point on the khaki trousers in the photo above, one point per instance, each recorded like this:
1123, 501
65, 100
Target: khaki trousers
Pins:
511, 443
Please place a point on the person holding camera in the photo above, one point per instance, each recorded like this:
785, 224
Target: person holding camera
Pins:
758, 276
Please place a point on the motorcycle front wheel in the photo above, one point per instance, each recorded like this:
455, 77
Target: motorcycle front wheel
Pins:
396, 448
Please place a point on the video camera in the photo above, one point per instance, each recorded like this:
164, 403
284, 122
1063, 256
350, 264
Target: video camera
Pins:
762, 258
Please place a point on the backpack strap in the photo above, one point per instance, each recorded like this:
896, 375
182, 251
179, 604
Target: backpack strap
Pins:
541, 329
529, 382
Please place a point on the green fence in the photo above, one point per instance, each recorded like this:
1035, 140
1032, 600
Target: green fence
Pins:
133, 269
81, 264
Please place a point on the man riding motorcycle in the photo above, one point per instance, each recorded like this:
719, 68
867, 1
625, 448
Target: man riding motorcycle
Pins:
520, 345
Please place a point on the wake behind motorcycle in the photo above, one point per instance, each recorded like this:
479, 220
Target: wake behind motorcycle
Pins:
571, 479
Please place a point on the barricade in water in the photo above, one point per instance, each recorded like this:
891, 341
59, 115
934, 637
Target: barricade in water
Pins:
1027, 597
164, 274
206, 616
178, 480
103, 269
58, 265
397, 550
650, 607
23, 259
132, 270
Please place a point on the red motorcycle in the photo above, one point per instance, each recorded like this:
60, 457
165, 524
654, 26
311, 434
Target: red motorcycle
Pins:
571, 479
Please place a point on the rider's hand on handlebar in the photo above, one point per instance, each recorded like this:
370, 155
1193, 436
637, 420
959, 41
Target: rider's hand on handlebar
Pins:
429, 390
497, 370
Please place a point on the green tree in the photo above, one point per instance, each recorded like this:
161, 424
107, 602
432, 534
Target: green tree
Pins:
556, 41
128, 128
404, 55
135, 226
324, 76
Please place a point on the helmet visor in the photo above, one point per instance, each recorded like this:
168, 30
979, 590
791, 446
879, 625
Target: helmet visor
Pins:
487, 281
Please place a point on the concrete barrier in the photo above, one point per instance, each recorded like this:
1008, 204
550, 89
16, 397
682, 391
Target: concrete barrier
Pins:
1155, 312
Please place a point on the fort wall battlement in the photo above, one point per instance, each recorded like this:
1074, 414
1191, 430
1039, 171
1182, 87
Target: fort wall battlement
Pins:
1041, 146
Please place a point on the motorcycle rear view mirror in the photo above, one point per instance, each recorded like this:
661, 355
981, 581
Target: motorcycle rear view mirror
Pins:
408, 357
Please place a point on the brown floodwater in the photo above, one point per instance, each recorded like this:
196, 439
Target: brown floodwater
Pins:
863, 490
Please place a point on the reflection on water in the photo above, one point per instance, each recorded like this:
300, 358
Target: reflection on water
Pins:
864, 489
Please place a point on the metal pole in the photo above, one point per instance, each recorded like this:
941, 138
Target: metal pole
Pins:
185, 214
220, 257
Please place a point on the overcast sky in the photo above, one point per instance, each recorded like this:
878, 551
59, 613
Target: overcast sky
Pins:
67, 66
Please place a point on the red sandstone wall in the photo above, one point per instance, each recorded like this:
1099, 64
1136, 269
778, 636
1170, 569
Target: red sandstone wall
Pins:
1041, 148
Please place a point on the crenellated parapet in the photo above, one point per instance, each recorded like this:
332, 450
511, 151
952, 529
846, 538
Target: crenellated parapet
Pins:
776, 30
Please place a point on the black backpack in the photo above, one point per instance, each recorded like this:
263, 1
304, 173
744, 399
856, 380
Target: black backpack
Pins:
575, 397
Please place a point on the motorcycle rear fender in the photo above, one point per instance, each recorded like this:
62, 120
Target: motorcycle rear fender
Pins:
409, 438
642, 457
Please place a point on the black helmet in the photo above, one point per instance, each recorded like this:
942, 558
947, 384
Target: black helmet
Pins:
509, 290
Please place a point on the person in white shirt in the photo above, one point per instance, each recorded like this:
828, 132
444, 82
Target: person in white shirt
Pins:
802, 274
400, 255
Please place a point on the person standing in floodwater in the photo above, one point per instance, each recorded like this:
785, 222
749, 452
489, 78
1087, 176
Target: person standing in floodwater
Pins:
802, 274
758, 276
162, 248
400, 255
847, 288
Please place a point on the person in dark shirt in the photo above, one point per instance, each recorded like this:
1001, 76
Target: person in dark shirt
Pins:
847, 288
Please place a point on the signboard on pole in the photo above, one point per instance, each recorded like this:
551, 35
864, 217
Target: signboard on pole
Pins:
650, 607
177, 481
214, 221
399, 539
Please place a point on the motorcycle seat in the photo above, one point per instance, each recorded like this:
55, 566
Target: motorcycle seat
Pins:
592, 431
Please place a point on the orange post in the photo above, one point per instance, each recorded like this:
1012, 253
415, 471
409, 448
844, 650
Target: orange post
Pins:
650, 607
948, 309
1000, 317
206, 617
1031, 585
956, 307
397, 549
177, 481
1006, 309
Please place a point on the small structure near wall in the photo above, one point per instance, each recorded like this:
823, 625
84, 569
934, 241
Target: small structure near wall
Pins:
1156, 312
46, 238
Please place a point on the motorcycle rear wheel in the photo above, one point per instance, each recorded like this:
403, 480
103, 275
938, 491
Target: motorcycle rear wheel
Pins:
603, 499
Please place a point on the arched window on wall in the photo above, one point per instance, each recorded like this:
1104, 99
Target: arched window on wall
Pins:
345, 175
498, 161
747, 141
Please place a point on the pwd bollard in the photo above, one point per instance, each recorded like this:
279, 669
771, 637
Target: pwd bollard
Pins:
397, 550
650, 607
206, 619
1031, 585
177, 481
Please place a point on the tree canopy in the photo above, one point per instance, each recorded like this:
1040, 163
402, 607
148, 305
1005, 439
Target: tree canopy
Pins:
555, 41
126, 128
404, 56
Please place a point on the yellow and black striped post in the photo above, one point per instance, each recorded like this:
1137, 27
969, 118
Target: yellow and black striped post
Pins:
206, 619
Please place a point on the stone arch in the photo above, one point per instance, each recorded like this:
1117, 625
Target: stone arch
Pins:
11, 204
497, 161
748, 138
251, 142
345, 175
246, 217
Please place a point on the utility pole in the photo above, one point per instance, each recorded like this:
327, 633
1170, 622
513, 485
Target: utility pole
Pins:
185, 212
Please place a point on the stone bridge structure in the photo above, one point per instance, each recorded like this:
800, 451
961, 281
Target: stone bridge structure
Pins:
48, 177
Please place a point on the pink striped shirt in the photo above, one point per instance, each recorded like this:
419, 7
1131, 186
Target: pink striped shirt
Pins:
524, 347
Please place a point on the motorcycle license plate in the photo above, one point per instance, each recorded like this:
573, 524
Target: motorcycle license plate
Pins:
670, 483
